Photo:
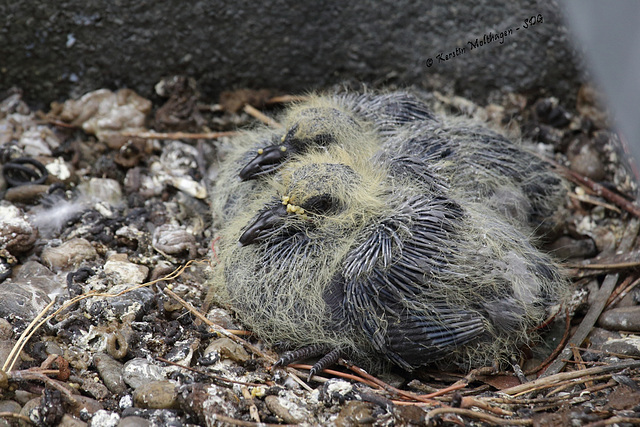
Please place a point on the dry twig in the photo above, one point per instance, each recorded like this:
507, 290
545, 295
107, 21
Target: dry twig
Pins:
20, 417
597, 189
553, 380
252, 111
477, 415
179, 135
600, 301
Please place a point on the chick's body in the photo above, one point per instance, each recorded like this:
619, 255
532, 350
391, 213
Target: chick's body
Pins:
483, 166
375, 255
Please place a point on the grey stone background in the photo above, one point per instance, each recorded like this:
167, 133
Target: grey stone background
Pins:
53, 50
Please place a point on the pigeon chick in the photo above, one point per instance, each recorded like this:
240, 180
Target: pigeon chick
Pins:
478, 162
483, 166
327, 120
342, 256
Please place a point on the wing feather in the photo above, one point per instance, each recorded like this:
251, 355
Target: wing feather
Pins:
385, 280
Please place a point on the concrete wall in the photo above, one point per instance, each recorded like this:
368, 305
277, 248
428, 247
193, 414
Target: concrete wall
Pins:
54, 50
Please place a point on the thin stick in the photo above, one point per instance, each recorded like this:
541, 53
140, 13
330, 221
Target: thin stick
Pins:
582, 380
612, 266
219, 329
283, 99
179, 135
552, 380
598, 189
252, 111
595, 201
556, 351
600, 301
384, 385
470, 401
476, 415
216, 377
608, 353
34, 375
335, 373
623, 290
22, 341
235, 422
17, 416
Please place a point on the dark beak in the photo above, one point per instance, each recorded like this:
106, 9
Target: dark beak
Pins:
264, 226
266, 162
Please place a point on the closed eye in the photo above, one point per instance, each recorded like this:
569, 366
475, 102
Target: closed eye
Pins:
322, 204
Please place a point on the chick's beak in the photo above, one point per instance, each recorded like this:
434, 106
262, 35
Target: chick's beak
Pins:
267, 161
264, 226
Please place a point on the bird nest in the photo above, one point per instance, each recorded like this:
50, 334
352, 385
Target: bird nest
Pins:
106, 252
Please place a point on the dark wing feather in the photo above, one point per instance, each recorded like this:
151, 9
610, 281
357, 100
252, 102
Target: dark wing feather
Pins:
388, 111
384, 296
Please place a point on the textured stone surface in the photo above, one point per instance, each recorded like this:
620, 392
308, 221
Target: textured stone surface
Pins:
57, 49
621, 319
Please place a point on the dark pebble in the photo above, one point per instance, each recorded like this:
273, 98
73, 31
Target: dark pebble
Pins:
621, 319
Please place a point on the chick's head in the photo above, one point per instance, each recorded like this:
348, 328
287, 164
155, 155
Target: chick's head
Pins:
319, 193
309, 126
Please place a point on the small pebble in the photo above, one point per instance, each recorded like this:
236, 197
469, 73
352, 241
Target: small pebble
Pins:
111, 371
37, 275
621, 319
589, 104
30, 405
627, 346
132, 304
17, 235
585, 159
104, 418
85, 406
6, 339
280, 409
69, 255
95, 389
51, 347
171, 239
25, 193
119, 266
21, 301
205, 401
71, 421
22, 396
139, 371
566, 248
156, 395
221, 317
125, 402
134, 421
105, 190
8, 406
355, 413
228, 350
